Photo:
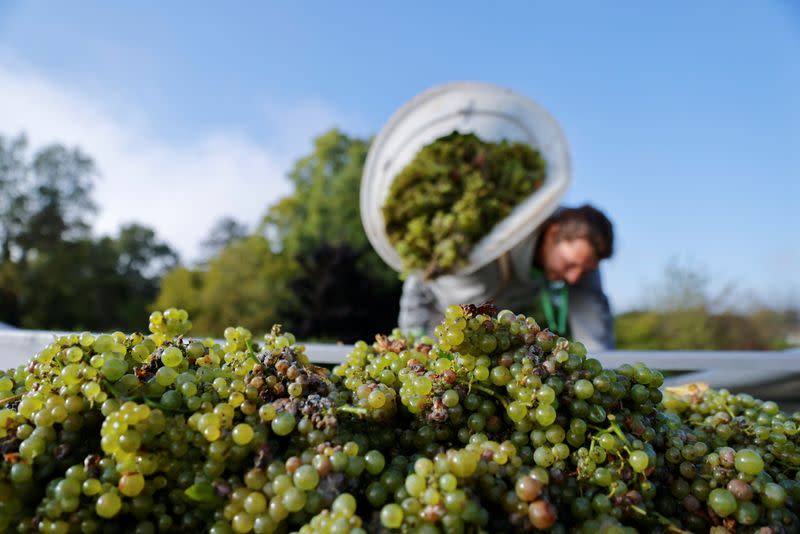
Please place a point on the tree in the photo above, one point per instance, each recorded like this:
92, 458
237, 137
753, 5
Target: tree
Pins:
9, 293
44, 199
324, 204
687, 329
182, 288
242, 285
684, 314
57, 202
13, 175
44, 202
53, 273
95, 284
681, 287
142, 261
309, 264
224, 232
334, 300
142, 257
322, 214
73, 285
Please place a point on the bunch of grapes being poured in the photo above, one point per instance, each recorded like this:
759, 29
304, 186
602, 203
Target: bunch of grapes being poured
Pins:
494, 425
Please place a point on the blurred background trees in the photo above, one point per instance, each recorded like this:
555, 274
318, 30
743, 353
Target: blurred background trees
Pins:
307, 264
682, 312
53, 273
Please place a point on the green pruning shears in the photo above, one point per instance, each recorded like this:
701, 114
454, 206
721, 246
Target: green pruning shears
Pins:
559, 327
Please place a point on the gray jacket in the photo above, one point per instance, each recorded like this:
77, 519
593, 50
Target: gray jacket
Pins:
508, 283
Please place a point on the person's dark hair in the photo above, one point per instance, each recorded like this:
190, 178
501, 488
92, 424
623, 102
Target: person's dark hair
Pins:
585, 222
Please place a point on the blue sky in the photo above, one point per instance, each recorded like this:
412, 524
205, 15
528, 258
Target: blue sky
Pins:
683, 118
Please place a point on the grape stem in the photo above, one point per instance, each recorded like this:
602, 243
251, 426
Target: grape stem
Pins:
153, 404
614, 427
148, 401
490, 392
250, 352
113, 390
12, 398
352, 409
661, 519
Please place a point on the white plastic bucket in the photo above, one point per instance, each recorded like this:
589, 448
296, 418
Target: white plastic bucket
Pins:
493, 114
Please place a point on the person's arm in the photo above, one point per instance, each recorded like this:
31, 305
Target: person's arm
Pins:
590, 317
416, 303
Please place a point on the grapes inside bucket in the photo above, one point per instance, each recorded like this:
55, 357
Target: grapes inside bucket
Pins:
470, 113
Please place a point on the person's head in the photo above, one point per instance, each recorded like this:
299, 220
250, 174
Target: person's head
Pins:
572, 242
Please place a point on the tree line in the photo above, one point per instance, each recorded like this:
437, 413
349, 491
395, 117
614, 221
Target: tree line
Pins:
307, 264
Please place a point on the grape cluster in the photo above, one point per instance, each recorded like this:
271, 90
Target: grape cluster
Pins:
339, 519
104, 431
453, 192
494, 425
609, 454
735, 457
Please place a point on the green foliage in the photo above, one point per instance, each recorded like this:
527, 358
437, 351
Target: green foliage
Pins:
9, 298
322, 304
699, 329
245, 282
13, 173
182, 287
324, 204
53, 274
224, 232
683, 315
322, 213
93, 284
257, 280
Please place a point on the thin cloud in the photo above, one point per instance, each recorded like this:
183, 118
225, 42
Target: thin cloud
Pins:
178, 188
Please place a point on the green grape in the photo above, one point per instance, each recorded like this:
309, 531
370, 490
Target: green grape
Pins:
638, 461
114, 369
306, 477
375, 462
773, 495
376, 399
131, 484
517, 411
376, 494
546, 395
255, 503
722, 502
448, 483
283, 423
747, 513
511, 428
391, 516
545, 415
294, 499
344, 504
583, 389
242, 434
749, 462
108, 505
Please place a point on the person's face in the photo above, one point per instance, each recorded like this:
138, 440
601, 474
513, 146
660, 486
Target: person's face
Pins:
567, 259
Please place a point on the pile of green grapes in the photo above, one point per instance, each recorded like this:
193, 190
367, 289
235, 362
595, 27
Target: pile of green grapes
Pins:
454, 191
494, 426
